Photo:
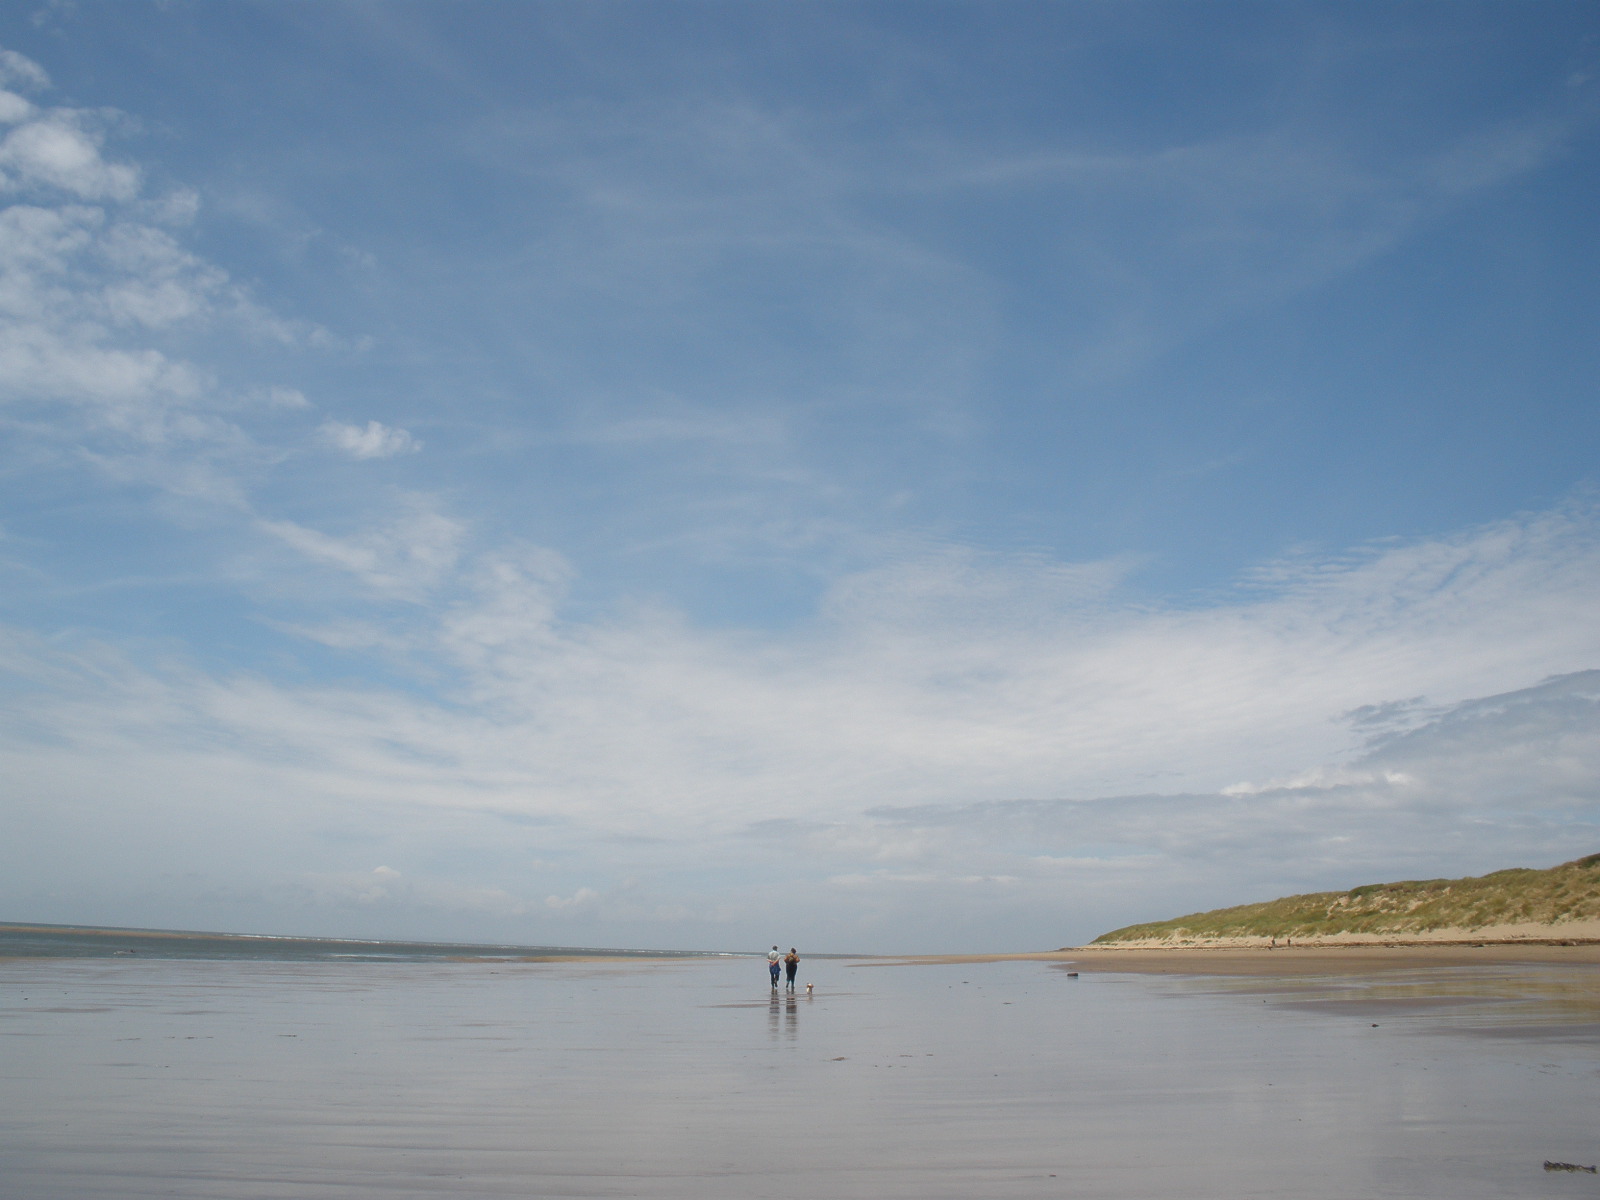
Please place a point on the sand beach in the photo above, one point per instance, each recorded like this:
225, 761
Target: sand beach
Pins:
1087, 1073
1326, 957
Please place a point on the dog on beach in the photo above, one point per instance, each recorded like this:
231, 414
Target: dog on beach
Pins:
809, 986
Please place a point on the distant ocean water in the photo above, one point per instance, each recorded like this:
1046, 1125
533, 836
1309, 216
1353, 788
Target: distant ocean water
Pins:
72, 941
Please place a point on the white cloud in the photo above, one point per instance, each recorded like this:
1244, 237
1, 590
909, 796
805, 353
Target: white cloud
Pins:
14, 108
1505, 780
56, 150
641, 726
16, 70
1502, 152
71, 281
583, 897
93, 290
177, 208
388, 888
375, 440
285, 397
410, 553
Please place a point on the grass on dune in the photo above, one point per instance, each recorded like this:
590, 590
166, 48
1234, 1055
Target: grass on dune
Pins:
1516, 896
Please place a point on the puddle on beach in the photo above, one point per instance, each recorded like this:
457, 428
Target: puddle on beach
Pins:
250, 1081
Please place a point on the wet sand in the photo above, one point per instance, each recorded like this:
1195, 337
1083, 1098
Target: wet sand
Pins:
1337, 959
309, 1081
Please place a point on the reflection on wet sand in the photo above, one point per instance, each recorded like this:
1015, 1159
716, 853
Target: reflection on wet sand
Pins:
236, 1081
790, 1012
1541, 1001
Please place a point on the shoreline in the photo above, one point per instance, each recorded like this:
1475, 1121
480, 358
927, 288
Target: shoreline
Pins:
1338, 958
1503, 946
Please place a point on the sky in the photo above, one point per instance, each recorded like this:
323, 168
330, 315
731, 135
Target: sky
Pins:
876, 477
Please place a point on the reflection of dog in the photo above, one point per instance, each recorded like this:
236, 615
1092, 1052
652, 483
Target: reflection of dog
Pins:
809, 986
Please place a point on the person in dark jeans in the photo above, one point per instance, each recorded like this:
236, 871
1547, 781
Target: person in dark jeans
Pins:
791, 964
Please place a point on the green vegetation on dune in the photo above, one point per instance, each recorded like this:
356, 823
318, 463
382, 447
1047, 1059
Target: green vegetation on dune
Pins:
1570, 892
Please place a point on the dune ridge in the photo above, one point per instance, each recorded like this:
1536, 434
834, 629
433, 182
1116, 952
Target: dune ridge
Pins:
1561, 904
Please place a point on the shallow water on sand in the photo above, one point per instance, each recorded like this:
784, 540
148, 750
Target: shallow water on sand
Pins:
237, 1081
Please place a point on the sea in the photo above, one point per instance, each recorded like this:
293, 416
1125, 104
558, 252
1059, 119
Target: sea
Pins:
290, 1074
76, 941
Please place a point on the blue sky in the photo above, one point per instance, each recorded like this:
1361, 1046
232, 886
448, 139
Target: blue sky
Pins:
876, 476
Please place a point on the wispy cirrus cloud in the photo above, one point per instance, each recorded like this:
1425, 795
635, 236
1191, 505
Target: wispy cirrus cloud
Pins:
374, 440
1191, 234
410, 553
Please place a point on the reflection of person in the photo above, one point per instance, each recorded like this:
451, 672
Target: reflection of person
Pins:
774, 959
791, 964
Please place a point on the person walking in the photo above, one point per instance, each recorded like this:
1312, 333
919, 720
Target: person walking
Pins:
774, 962
791, 964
